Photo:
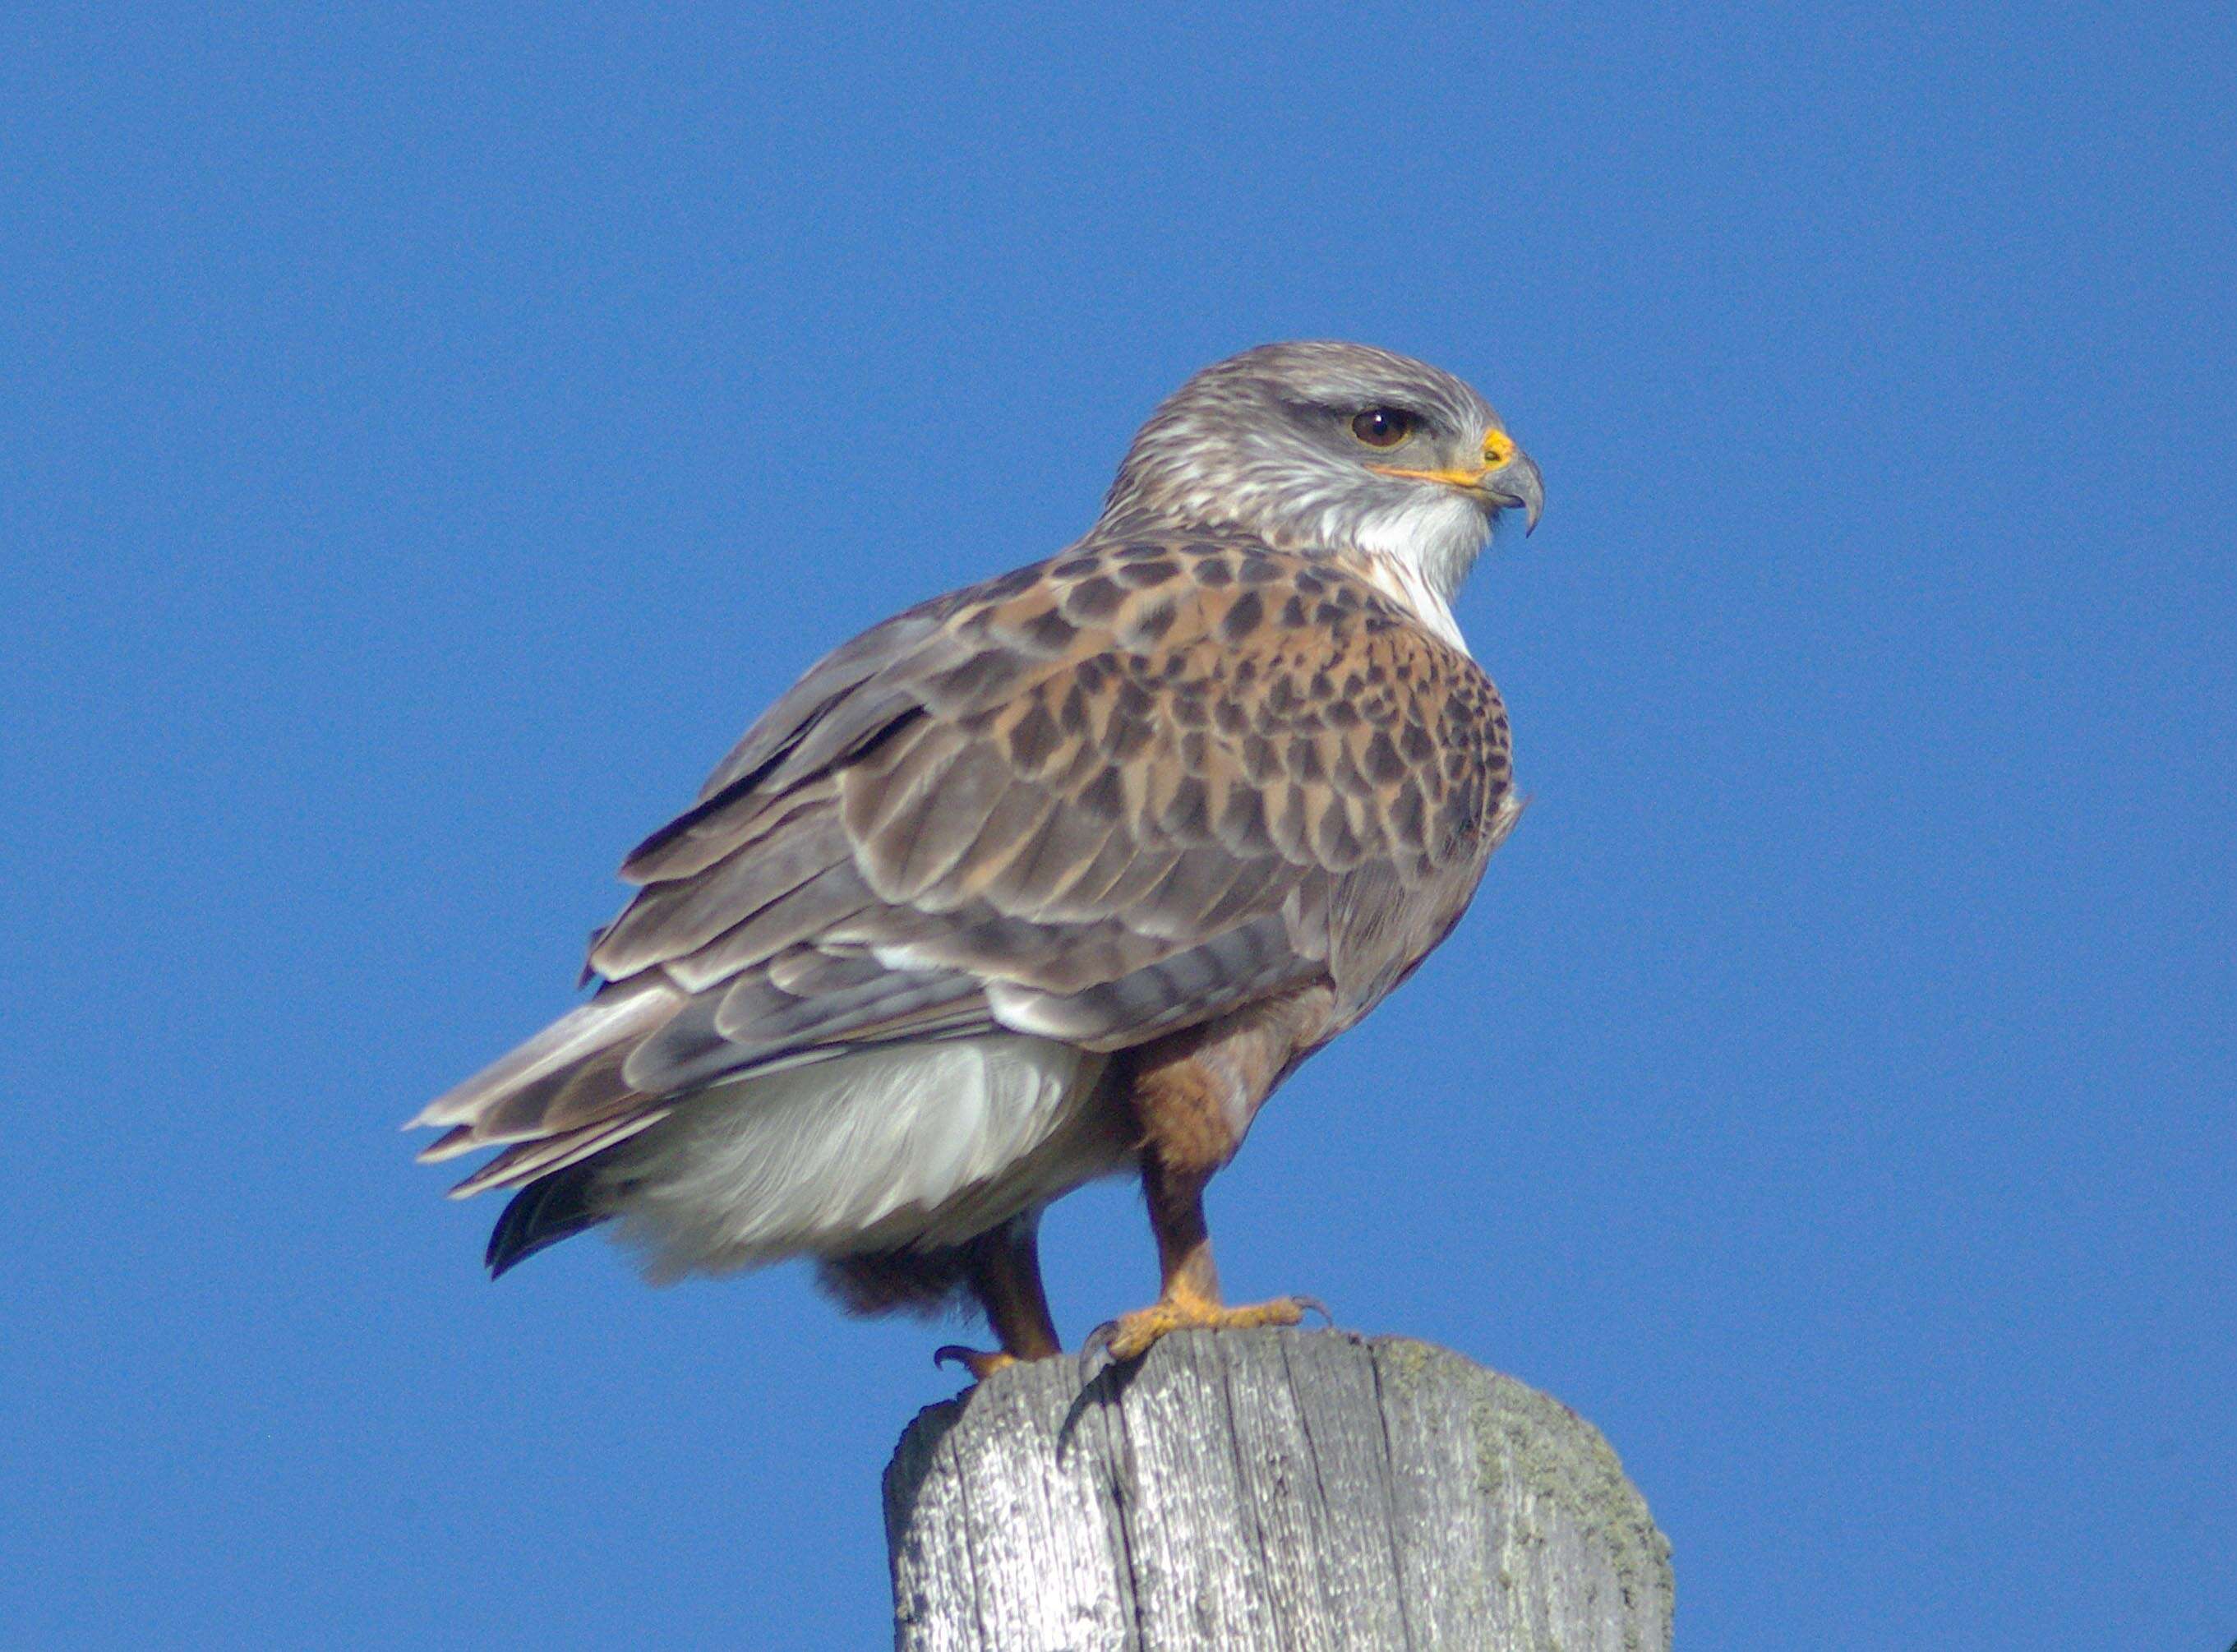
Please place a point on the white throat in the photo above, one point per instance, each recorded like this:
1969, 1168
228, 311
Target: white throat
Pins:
1420, 553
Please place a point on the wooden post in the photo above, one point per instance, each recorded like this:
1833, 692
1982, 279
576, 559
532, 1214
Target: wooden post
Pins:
1275, 1489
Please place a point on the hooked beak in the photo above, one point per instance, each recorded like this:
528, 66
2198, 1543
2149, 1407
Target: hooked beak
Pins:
1517, 483
1511, 482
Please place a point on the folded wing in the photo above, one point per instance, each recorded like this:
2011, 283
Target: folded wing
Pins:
1097, 800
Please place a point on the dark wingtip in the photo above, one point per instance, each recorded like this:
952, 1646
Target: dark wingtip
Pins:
541, 1214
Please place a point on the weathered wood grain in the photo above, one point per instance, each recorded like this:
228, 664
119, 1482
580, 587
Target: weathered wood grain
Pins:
1275, 1489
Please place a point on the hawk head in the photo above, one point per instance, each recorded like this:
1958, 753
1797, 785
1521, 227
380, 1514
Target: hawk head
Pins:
1337, 447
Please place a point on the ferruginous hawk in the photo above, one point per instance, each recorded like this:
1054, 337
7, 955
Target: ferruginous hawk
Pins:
1052, 877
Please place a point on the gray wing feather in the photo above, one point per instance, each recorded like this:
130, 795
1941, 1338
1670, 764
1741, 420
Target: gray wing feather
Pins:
811, 705
818, 907
676, 918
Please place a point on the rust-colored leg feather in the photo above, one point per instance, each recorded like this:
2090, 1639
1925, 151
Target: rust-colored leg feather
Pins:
1193, 1097
1004, 1275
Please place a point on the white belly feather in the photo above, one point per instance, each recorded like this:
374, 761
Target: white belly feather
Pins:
918, 1145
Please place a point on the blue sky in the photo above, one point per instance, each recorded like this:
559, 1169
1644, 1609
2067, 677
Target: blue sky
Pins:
433, 433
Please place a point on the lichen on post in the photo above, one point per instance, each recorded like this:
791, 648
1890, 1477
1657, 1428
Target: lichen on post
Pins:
1277, 1489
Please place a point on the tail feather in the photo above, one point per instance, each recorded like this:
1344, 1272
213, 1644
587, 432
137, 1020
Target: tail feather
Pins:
518, 1165
617, 1015
559, 1207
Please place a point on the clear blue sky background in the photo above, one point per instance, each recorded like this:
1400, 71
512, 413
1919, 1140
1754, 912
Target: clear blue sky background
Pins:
430, 434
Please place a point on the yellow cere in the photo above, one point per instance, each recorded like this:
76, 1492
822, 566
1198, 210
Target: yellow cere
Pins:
1498, 448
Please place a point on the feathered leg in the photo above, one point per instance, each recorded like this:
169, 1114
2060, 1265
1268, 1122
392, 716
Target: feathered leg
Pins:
1189, 1298
1192, 1107
1004, 1272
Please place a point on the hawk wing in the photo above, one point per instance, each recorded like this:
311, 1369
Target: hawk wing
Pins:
1098, 800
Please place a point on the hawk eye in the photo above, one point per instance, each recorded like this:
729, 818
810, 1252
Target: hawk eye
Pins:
1383, 426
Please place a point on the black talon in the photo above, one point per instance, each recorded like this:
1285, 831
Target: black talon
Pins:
1095, 1357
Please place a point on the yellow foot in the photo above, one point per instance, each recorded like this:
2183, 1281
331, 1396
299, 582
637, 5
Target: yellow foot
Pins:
1130, 1336
981, 1365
